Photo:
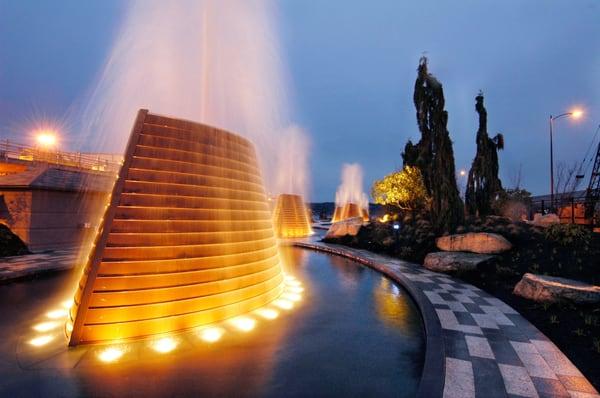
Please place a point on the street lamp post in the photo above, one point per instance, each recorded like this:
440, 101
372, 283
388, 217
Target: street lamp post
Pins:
576, 114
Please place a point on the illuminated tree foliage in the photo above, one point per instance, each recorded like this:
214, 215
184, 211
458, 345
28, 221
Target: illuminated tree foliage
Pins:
483, 185
433, 154
403, 189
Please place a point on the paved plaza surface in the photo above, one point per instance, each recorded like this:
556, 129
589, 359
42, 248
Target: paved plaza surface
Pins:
489, 349
32, 265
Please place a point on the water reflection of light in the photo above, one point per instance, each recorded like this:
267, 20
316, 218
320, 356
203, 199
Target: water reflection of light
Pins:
392, 308
41, 340
243, 323
211, 334
267, 313
110, 354
164, 345
46, 326
55, 314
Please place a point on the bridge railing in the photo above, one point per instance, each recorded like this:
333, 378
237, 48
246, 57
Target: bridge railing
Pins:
11, 151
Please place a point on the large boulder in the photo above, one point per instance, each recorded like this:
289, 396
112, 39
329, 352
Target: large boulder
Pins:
350, 226
474, 242
545, 220
455, 261
551, 289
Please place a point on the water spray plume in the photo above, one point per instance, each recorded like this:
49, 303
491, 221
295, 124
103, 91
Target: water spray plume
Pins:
350, 200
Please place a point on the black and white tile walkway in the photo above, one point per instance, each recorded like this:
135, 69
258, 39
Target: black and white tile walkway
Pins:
490, 350
30, 265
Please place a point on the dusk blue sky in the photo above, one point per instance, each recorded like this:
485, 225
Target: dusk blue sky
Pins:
352, 66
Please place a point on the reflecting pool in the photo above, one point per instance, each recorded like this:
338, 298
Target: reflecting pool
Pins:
351, 332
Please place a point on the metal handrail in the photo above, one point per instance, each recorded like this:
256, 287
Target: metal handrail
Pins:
24, 153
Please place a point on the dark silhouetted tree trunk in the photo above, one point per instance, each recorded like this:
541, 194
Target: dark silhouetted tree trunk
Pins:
433, 154
483, 185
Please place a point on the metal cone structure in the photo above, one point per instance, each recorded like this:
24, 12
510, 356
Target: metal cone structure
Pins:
290, 217
186, 240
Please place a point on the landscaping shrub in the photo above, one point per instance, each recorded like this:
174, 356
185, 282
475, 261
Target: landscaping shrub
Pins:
569, 235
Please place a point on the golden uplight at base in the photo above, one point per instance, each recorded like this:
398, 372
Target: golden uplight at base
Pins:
243, 323
41, 340
46, 326
164, 345
267, 313
211, 334
110, 354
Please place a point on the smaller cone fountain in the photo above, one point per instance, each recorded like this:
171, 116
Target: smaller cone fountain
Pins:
290, 218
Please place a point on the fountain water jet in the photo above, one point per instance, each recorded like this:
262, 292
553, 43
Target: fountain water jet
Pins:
350, 200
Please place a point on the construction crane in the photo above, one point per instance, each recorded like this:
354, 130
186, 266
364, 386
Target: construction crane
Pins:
592, 194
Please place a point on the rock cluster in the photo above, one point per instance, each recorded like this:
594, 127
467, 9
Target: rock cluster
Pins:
550, 289
455, 261
474, 242
350, 226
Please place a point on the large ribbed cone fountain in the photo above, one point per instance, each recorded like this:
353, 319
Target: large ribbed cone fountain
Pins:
187, 238
290, 217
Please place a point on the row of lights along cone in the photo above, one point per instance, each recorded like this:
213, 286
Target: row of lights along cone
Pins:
290, 217
187, 238
349, 210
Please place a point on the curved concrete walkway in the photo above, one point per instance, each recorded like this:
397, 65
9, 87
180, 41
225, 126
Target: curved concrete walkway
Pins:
484, 348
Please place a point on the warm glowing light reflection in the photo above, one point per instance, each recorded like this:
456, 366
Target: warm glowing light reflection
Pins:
55, 314
164, 345
284, 304
295, 289
267, 313
293, 283
46, 326
41, 340
211, 334
243, 323
110, 354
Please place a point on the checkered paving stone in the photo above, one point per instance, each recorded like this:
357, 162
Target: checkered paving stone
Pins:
30, 265
491, 350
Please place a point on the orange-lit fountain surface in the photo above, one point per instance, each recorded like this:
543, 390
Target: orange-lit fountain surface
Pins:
186, 239
349, 210
290, 217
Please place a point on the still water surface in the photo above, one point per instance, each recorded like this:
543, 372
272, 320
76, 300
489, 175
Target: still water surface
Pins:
355, 333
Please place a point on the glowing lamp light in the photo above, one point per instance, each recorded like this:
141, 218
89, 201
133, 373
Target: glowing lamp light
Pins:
211, 335
46, 326
396, 226
110, 354
293, 283
576, 113
164, 345
267, 313
55, 314
463, 173
46, 138
41, 340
